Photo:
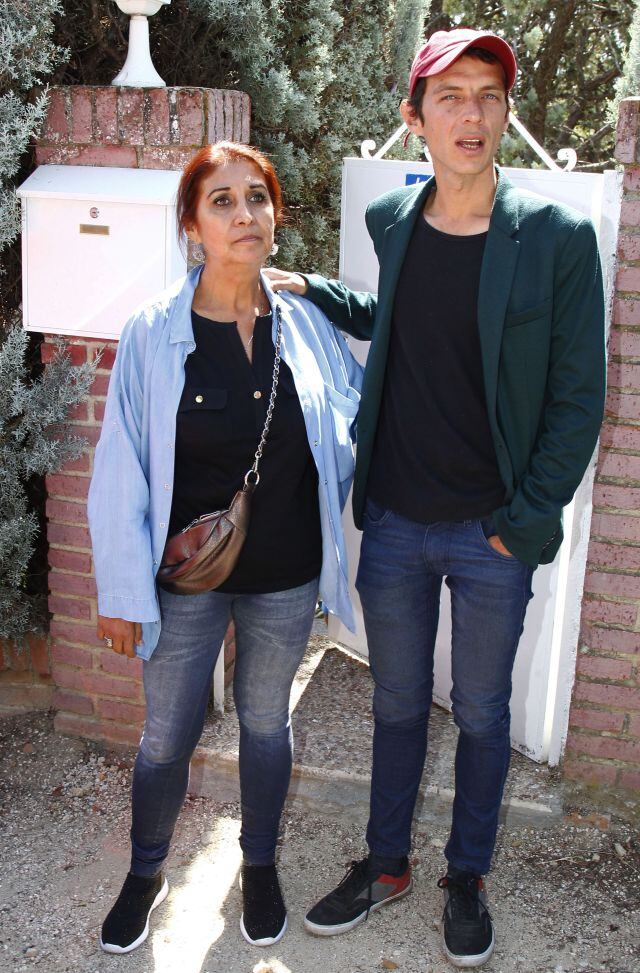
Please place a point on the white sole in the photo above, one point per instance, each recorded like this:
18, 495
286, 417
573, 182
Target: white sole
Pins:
467, 962
317, 930
112, 948
268, 940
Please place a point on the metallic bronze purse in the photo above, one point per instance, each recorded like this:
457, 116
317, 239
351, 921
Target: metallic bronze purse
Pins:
203, 555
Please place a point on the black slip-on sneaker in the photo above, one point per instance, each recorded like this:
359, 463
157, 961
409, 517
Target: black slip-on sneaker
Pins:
264, 917
127, 925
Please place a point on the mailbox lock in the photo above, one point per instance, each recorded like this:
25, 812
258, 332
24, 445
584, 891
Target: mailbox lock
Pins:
94, 212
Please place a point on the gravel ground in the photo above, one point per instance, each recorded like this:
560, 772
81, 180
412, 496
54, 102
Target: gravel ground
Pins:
565, 900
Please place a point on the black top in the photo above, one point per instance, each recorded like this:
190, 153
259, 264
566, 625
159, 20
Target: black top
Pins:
433, 430
218, 427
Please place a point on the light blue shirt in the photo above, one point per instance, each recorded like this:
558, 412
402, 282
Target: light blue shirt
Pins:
130, 495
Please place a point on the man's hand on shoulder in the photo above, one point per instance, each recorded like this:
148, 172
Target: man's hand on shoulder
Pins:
286, 280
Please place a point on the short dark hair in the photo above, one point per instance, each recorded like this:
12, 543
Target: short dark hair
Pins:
415, 100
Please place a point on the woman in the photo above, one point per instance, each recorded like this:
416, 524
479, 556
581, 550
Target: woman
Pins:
186, 407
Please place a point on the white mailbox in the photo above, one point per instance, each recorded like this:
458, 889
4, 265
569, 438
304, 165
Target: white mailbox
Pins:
96, 242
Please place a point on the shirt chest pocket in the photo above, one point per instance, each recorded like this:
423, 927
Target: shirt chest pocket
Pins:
204, 417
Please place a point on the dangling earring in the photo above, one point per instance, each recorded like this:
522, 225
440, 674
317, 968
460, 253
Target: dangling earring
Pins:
274, 250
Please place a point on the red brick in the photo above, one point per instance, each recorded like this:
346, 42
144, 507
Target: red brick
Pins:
629, 246
590, 772
131, 104
106, 115
90, 433
628, 279
614, 556
70, 725
629, 780
77, 354
608, 583
96, 682
100, 385
165, 157
625, 343
70, 607
24, 698
601, 667
191, 116
80, 413
622, 405
630, 212
634, 726
72, 584
596, 719
632, 178
11, 677
56, 127
156, 127
619, 436
112, 709
117, 733
87, 155
609, 747
81, 115
619, 497
627, 131
612, 612
66, 512
74, 487
80, 465
121, 665
73, 702
72, 655
623, 376
98, 410
74, 632
107, 357
18, 657
69, 561
610, 639
39, 648
64, 535
616, 526
618, 697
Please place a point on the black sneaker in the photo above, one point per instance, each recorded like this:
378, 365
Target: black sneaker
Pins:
264, 917
467, 929
127, 925
361, 891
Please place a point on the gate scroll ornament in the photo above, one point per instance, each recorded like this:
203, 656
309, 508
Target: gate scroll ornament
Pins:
568, 156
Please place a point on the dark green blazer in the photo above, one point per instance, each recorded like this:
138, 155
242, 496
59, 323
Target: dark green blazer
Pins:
541, 324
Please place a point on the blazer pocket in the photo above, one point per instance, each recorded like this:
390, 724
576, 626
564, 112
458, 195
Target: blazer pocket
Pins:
343, 410
530, 314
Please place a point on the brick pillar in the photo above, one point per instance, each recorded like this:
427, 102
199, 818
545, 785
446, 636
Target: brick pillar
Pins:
98, 694
603, 745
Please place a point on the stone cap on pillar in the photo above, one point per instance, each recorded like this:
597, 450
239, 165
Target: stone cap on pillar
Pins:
146, 128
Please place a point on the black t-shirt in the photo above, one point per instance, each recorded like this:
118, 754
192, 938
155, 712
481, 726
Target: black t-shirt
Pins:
218, 426
434, 458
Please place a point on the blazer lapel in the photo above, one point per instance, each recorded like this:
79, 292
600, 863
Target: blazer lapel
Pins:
496, 277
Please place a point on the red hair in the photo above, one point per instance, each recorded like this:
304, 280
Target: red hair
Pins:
205, 162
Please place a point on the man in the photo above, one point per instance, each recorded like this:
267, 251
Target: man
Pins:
481, 405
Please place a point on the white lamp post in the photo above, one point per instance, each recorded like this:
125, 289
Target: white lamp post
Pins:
138, 70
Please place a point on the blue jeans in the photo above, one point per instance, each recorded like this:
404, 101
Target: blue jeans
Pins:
272, 631
402, 566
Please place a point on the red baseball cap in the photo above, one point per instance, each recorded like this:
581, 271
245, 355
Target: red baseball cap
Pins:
446, 46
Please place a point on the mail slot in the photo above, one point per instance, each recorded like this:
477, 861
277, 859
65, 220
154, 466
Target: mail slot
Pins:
96, 242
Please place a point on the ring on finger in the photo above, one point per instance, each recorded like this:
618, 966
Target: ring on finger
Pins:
108, 642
